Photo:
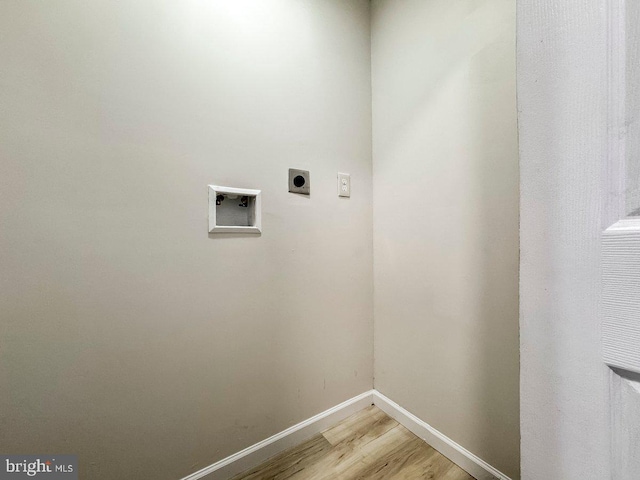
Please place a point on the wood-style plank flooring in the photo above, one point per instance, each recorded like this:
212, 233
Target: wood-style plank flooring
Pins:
368, 445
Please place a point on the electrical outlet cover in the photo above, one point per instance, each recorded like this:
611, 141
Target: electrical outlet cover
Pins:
299, 181
344, 185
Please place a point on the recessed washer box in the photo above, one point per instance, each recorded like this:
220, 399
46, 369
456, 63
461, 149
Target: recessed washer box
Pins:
234, 210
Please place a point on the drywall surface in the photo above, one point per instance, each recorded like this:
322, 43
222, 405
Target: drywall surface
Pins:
446, 218
128, 335
563, 126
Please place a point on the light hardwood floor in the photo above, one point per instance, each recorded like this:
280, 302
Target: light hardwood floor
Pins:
368, 445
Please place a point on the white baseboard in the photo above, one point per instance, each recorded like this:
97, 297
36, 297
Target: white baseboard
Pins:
473, 465
256, 454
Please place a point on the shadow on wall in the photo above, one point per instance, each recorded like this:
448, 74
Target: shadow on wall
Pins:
496, 175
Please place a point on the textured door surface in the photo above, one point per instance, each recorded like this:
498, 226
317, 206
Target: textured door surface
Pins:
621, 239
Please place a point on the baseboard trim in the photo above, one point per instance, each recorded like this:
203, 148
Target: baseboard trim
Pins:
256, 454
475, 466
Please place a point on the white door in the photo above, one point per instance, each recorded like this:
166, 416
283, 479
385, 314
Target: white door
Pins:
621, 240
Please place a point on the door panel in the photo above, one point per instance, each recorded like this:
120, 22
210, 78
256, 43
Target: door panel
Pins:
631, 55
625, 438
621, 295
621, 239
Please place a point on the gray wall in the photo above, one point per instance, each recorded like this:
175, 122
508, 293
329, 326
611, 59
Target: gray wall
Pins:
562, 85
446, 218
128, 335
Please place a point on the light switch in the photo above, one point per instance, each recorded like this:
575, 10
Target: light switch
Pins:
344, 185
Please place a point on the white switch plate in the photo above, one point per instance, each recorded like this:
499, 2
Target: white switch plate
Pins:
344, 185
